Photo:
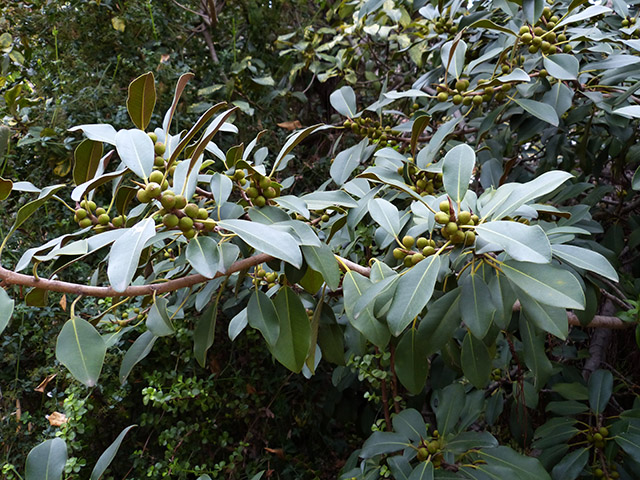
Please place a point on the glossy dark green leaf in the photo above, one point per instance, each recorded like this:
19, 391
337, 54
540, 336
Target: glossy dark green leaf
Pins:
600, 389
440, 322
355, 287
87, 157
411, 365
383, 442
294, 339
501, 460
31, 207
586, 259
424, 471
450, 403
562, 66
419, 124
409, 422
571, 465
203, 255
548, 319
108, 455
540, 110
630, 443
534, 353
476, 361
385, 214
136, 353
413, 292
204, 333
526, 243
46, 461
322, 260
158, 321
571, 391
532, 10
466, 441
142, 100
81, 349
262, 316
477, 310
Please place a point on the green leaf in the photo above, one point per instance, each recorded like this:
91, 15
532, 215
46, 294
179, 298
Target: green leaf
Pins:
568, 407
355, 287
532, 10
526, 243
630, 443
158, 321
125, 253
635, 181
203, 255
135, 149
571, 391
409, 422
344, 101
262, 316
322, 260
264, 81
6, 309
411, 365
30, 208
476, 361
586, 259
600, 388
46, 461
457, 168
440, 322
292, 141
295, 331
203, 142
424, 471
136, 353
266, 239
450, 402
478, 311
100, 132
547, 284
546, 318
488, 24
180, 86
383, 442
142, 100
221, 187
204, 333
539, 110
466, 441
419, 124
81, 349
534, 353
571, 465
108, 455
385, 214
5, 188
87, 157
520, 467
632, 111
588, 12
562, 66
453, 54
413, 292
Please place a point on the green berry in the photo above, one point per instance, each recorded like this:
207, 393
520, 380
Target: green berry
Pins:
264, 183
168, 200
260, 201
85, 222
477, 100
191, 210
158, 162
103, 219
170, 220
203, 214
181, 202
156, 176
143, 196
252, 192
153, 190
81, 213
160, 148
416, 258
153, 137
185, 223
443, 96
464, 218
444, 206
526, 38
189, 234
428, 250
398, 253
408, 241
422, 242
442, 218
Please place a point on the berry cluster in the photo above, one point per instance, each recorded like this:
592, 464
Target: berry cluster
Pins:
431, 450
424, 182
88, 214
456, 229
261, 190
368, 127
424, 248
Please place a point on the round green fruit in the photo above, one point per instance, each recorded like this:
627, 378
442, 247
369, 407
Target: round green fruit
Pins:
444, 206
270, 192
185, 223
103, 219
168, 200
461, 85
469, 239
451, 228
156, 176
408, 241
159, 148
81, 213
526, 38
252, 192
203, 214
264, 183
143, 196
189, 234
422, 242
433, 446
398, 253
158, 162
191, 210
442, 218
170, 220
443, 96
457, 99
464, 218
153, 189
85, 222
603, 431
524, 29
428, 250
181, 201
423, 454
118, 221
260, 201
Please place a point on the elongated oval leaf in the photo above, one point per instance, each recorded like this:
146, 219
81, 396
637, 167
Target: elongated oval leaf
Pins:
476, 362
540, 110
322, 260
6, 309
5, 188
137, 352
586, 259
344, 101
413, 292
453, 54
457, 168
81, 349
632, 111
383, 442
100, 132
204, 333
108, 455
562, 66
547, 284
262, 316
135, 149
142, 100
600, 388
86, 157
266, 239
411, 366
478, 310
125, 254
385, 214
158, 321
293, 342
526, 243
520, 467
355, 288
292, 141
571, 465
46, 461
203, 255
221, 187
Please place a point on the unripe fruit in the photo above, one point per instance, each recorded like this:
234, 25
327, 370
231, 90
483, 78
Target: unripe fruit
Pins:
461, 85
170, 220
191, 210
239, 174
407, 261
153, 190
398, 254
158, 162
159, 148
545, 46
168, 200
423, 454
252, 192
475, 219
526, 38
598, 473
81, 213
443, 96
488, 91
100, 211
422, 242
153, 137
538, 31
469, 239
524, 29
444, 206
464, 218
143, 196
433, 447
325, 218
567, 48
181, 202
85, 222
505, 69
457, 237
408, 241
203, 214
270, 192
103, 219
118, 221
550, 37
466, 101
451, 228
442, 218
477, 100
416, 258
429, 250
185, 223
543, 73
260, 201
603, 431
562, 37
505, 87
189, 234
264, 183
457, 99
156, 177
554, 19
597, 437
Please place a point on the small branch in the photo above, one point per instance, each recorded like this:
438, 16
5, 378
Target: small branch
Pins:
366, 271
599, 321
